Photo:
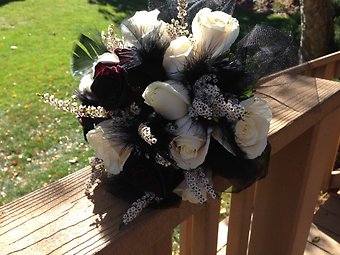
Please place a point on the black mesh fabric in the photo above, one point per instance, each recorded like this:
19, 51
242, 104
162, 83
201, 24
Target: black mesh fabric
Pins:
168, 8
265, 50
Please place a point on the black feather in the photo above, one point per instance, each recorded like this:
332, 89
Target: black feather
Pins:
231, 76
144, 62
196, 66
87, 98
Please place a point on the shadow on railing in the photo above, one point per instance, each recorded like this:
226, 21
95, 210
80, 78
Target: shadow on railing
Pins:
271, 217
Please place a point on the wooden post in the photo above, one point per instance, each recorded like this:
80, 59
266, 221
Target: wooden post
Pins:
286, 199
239, 221
162, 247
199, 232
329, 71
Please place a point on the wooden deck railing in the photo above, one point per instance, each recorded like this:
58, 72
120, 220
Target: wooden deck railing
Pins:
272, 217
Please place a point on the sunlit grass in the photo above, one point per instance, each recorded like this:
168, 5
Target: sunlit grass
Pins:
39, 144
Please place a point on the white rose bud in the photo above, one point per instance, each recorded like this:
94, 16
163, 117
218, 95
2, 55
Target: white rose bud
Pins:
190, 145
170, 99
113, 153
214, 31
144, 22
176, 55
251, 132
87, 80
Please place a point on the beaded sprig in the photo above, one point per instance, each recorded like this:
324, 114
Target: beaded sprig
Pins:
145, 132
75, 108
210, 103
97, 170
138, 206
196, 181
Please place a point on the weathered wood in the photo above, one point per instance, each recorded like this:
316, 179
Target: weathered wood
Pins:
312, 249
60, 219
326, 217
307, 101
320, 241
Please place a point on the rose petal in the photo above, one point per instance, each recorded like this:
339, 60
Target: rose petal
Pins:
113, 153
170, 99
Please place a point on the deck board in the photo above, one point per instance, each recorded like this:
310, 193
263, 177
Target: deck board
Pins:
324, 236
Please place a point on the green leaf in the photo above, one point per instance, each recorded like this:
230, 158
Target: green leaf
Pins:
85, 53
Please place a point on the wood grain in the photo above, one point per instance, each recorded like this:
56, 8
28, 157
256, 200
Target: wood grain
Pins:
61, 219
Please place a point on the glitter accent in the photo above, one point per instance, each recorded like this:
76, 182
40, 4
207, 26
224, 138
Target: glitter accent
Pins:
145, 132
97, 170
196, 180
210, 103
137, 206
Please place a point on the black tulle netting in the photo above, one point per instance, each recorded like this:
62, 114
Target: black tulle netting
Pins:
217, 89
168, 8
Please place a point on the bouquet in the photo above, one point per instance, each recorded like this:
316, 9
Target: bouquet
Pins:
170, 103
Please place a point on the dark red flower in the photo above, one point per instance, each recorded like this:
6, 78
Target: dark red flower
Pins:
110, 85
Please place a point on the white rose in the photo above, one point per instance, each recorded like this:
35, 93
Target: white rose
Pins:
176, 55
190, 145
113, 153
87, 80
214, 31
170, 99
142, 22
184, 191
251, 132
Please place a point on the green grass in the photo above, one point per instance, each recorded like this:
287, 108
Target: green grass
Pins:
36, 41
37, 142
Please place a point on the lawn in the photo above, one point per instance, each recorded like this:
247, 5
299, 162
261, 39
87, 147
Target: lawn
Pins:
39, 144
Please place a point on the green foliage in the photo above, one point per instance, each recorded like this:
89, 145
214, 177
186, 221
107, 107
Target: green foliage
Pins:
88, 48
